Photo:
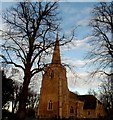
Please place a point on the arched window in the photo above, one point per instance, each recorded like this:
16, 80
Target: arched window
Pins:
89, 113
51, 74
71, 110
50, 106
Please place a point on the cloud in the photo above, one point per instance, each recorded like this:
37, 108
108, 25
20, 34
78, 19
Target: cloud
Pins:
83, 22
78, 77
74, 62
72, 13
67, 8
82, 83
81, 44
75, 14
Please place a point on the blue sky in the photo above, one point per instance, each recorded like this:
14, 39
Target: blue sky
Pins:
75, 14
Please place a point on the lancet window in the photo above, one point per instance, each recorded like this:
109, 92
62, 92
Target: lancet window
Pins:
50, 105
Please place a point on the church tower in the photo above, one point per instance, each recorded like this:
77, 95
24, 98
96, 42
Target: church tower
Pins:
53, 100
56, 101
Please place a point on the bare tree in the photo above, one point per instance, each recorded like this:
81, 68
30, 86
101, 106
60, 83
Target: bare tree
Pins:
101, 53
92, 92
28, 34
106, 95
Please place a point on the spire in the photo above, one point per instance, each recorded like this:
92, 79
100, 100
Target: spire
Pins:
56, 54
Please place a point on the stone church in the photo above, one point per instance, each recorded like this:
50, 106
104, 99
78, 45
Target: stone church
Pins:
56, 101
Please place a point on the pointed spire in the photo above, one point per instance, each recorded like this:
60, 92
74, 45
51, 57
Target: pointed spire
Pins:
56, 54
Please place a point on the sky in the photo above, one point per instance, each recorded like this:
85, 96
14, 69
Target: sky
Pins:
78, 14
74, 14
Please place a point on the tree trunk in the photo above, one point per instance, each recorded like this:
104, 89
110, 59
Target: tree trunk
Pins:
21, 114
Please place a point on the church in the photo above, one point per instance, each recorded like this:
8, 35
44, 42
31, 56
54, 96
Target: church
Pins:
56, 101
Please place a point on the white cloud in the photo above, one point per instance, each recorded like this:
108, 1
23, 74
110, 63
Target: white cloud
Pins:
82, 83
83, 42
74, 62
83, 22
78, 44
78, 77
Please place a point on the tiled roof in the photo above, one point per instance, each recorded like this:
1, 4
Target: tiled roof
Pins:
89, 100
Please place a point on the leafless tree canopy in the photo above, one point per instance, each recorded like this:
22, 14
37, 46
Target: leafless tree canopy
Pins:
28, 33
101, 53
106, 94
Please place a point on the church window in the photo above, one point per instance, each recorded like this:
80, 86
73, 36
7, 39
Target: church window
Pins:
99, 115
50, 106
71, 110
89, 113
51, 74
